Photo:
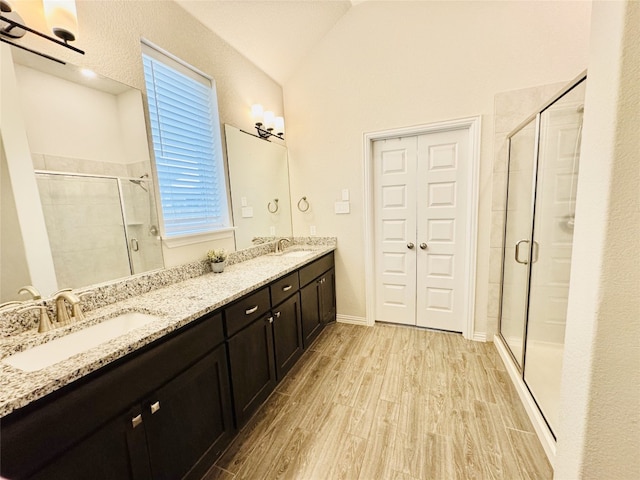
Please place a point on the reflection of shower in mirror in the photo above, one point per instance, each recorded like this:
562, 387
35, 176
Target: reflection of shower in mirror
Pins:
140, 181
153, 229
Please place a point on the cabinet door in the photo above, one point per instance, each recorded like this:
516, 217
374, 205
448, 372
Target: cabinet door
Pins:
253, 373
287, 334
328, 296
188, 422
311, 320
104, 455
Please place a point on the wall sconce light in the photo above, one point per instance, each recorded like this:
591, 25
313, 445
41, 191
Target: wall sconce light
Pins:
61, 17
266, 123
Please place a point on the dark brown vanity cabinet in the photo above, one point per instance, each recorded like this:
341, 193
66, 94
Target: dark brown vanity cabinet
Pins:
287, 334
166, 411
267, 347
163, 413
252, 367
318, 297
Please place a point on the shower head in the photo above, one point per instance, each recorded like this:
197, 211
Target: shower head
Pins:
140, 181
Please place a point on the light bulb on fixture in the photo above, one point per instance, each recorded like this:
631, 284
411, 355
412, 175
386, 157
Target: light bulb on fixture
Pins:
256, 113
266, 122
279, 125
62, 18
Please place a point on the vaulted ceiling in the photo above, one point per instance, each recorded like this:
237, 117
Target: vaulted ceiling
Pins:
276, 35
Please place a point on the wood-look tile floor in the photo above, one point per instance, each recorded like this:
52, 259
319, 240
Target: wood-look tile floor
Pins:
389, 402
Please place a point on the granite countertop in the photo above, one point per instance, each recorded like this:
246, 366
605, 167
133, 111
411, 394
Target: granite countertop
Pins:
176, 305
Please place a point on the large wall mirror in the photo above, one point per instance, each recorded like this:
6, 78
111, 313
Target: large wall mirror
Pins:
88, 145
89, 165
259, 180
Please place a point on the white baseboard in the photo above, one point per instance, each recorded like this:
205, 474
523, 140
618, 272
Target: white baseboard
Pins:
542, 430
351, 319
479, 337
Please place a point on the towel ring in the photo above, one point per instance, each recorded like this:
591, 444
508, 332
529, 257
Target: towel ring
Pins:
273, 209
303, 204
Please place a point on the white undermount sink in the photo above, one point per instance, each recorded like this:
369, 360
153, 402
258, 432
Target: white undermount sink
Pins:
297, 253
61, 348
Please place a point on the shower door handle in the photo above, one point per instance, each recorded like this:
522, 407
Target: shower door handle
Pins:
517, 252
134, 245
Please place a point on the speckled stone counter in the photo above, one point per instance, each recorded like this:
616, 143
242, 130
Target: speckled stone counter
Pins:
176, 304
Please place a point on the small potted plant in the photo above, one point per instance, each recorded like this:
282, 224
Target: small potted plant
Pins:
217, 259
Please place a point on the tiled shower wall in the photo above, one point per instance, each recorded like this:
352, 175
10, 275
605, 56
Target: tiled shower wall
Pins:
89, 247
510, 109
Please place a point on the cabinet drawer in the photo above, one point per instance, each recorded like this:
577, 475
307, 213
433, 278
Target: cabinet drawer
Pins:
315, 269
245, 310
284, 288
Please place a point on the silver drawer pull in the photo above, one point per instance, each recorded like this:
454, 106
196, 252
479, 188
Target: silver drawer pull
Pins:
251, 310
270, 319
277, 314
155, 407
137, 420
287, 288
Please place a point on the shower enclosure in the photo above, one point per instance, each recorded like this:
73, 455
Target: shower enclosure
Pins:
544, 155
100, 227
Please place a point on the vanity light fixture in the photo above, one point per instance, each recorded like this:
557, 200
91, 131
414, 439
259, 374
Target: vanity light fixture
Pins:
266, 123
61, 16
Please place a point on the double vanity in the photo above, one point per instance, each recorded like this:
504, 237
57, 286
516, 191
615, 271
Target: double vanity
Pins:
191, 362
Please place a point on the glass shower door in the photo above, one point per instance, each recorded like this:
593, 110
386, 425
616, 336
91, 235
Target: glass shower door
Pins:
557, 175
513, 310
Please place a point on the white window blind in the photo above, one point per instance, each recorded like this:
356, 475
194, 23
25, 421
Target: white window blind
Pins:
187, 147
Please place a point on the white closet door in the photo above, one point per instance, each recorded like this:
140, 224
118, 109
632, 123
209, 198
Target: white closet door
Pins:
394, 183
441, 214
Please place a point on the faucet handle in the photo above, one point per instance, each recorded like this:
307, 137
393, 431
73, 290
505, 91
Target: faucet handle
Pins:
45, 322
60, 291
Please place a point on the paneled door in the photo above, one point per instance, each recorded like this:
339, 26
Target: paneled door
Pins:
421, 187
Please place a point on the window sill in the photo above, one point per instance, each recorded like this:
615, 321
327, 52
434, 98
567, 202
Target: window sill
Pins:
181, 241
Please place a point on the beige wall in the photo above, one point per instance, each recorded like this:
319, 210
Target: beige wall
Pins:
394, 64
12, 256
599, 435
110, 33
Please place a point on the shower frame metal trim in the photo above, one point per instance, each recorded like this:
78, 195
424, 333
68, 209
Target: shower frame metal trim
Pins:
537, 116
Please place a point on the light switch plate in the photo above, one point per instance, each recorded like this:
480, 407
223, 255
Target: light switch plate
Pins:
243, 201
342, 207
312, 230
247, 212
345, 194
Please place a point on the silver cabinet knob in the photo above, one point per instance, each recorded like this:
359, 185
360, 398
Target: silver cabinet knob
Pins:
137, 420
155, 407
423, 246
410, 246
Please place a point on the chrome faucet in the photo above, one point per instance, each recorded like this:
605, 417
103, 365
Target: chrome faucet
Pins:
280, 244
63, 297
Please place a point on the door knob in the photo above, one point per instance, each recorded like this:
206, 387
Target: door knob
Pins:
423, 246
410, 246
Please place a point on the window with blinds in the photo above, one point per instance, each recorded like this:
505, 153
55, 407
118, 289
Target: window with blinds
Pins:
185, 130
